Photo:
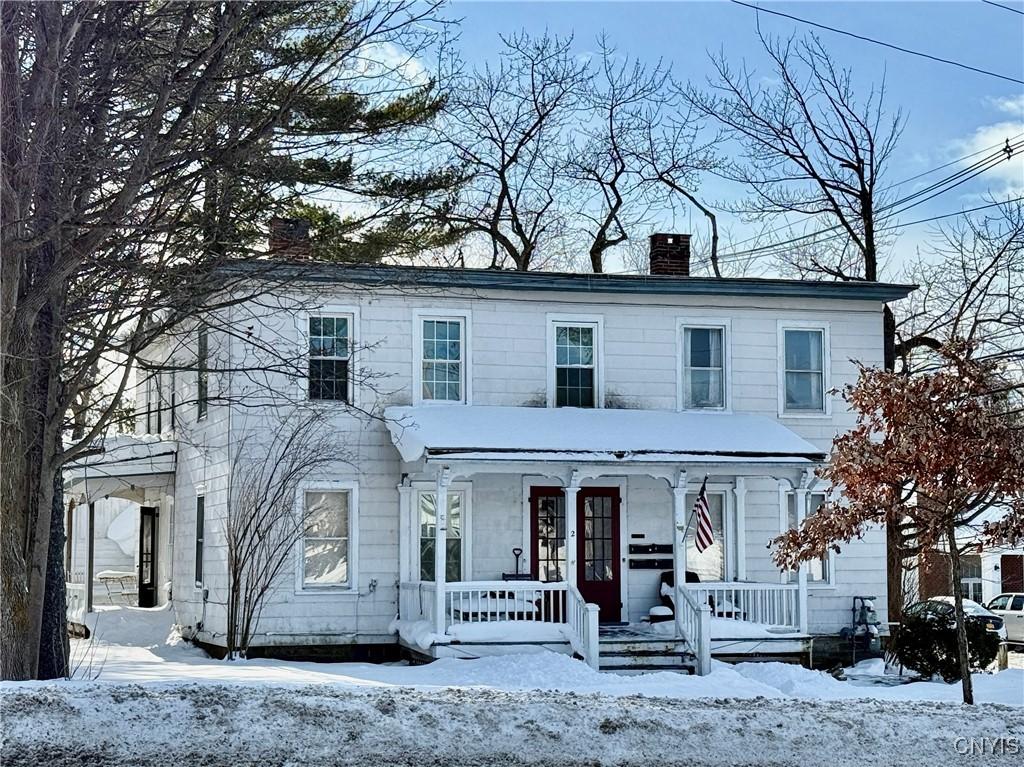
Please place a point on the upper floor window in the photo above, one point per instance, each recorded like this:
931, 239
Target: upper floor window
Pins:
325, 540
202, 373
804, 371
818, 570
442, 363
703, 367
329, 356
575, 365
154, 409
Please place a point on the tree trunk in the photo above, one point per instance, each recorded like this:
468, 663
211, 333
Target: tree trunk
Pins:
963, 653
54, 647
894, 572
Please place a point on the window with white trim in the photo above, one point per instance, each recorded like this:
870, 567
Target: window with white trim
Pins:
442, 359
428, 531
329, 356
202, 373
970, 577
818, 570
325, 540
575, 365
200, 536
703, 367
709, 565
804, 370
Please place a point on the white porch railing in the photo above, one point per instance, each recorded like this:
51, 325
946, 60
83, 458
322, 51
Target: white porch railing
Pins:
583, 627
769, 604
695, 618
76, 602
468, 602
416, 601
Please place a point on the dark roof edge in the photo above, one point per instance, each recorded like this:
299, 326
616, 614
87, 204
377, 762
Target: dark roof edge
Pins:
497, 279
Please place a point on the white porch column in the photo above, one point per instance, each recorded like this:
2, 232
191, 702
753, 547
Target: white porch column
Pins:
406, 530
801, 575
740, 491
679, 548
571, 543
440, 547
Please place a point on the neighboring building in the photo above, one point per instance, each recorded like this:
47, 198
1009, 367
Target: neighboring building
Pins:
517, 396
986, 573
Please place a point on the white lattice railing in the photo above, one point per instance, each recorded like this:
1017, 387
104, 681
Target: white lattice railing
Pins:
77, 604
583, 626
694, 619
770, 604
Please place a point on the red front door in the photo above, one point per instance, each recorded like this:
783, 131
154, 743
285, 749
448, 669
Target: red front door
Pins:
597, 557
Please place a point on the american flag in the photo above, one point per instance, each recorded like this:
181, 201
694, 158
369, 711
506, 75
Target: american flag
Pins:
705, 534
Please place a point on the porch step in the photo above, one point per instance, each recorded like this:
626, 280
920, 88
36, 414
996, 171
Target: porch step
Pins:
647, 658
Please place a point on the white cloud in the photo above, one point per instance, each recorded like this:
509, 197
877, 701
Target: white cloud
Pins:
1007, 177
1011, 105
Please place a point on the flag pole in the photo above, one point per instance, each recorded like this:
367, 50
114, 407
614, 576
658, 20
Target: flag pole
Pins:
689, 519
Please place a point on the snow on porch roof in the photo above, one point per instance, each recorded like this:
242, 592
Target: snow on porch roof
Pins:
574, 434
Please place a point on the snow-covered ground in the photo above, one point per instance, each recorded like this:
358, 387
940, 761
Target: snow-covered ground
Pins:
141, 700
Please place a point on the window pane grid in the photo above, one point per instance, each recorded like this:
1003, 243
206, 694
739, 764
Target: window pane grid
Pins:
817, 569
442, 360
574, 366
551, 538
329, 354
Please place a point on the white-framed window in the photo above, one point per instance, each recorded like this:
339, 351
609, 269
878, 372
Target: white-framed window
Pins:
705, 363
803, 369
456, 554
327, 548
154, 409
200, 537
710, 564
819, 571
442, 361
330, 353
575, 377
970, 577
202, 372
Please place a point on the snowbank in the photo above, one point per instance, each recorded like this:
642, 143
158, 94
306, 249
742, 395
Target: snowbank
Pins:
220, 726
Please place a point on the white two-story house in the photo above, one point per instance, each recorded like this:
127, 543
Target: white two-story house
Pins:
522, 454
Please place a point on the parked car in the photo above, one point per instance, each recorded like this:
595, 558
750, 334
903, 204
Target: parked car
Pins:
1010, 607
941, 608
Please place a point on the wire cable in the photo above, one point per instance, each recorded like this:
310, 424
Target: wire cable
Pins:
939, 59
1004, 7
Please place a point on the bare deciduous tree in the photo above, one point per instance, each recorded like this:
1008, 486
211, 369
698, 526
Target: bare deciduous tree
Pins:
265, 518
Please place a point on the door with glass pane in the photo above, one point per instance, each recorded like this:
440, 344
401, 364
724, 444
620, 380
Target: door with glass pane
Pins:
147, 556
597, 558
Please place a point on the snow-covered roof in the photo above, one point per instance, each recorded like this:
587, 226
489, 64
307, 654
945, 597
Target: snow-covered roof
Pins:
604, 435
123, 464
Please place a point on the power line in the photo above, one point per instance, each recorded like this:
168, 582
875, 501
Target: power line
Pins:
939, 187
879, 42
1004, 7
736, 257
1001, 146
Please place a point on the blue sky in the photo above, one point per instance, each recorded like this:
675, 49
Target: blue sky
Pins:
949, 111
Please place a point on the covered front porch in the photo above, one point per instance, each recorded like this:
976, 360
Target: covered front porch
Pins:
492, 561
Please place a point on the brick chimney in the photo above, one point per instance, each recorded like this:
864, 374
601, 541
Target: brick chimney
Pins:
289, 238
670, 255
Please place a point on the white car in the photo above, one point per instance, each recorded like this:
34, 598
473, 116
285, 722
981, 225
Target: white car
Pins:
1010, 607
979, 613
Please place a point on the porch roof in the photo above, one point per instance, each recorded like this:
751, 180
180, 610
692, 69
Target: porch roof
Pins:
122, 465
481, 433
